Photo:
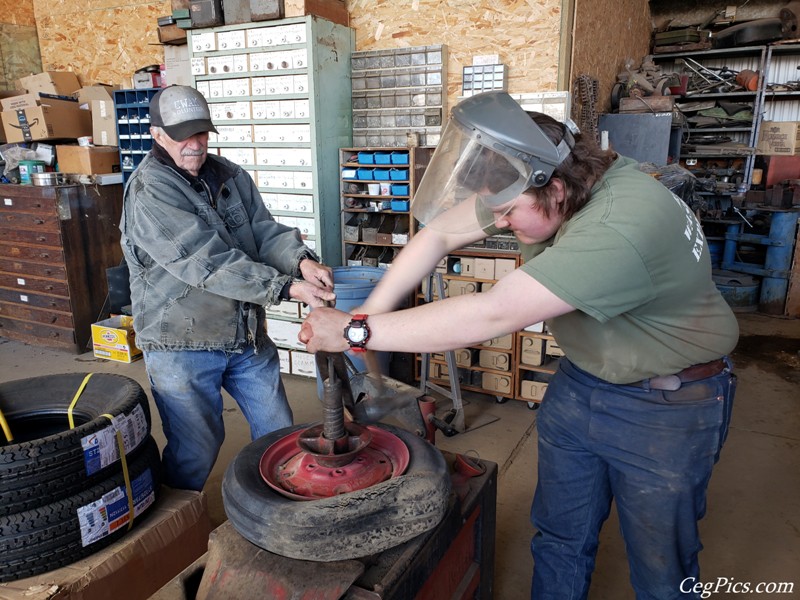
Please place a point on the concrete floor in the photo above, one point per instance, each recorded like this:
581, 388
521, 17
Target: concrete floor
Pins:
751, 533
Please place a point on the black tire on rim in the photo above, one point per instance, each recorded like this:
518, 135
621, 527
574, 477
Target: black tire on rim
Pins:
49, 537
46, 459
351, 525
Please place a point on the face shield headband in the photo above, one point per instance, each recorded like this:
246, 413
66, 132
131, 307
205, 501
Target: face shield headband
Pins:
490, 152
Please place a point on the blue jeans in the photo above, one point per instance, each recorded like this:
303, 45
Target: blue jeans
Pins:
652, 451
187, 386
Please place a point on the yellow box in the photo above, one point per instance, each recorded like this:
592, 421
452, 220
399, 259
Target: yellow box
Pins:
114, 339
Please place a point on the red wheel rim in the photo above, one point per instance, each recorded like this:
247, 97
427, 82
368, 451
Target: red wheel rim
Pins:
301, 475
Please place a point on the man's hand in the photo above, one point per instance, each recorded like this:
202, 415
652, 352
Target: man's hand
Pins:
313, 295
315, 273
316, 287
323, 330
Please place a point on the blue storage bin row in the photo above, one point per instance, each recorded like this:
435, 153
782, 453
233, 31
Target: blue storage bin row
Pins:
383, 158
382, 174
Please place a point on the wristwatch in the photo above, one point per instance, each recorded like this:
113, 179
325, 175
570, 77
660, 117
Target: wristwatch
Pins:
357, 333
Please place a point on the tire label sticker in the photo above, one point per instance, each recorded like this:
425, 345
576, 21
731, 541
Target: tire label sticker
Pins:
108, 514
100, 448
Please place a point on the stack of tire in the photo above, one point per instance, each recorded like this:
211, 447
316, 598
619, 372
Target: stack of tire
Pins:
64, 493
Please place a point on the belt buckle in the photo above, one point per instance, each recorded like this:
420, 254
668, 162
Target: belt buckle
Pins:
666, 383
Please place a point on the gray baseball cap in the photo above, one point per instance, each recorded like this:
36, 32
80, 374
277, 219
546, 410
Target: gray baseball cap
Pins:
181, 111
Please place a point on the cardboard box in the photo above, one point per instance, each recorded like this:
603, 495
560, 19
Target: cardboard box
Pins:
59, 83
491, 359
170, 537
171, 34
50, 118
86, 94
20, 101
177, 66
332, 10
143, 81
779, 138
114, 339
88, 160
532, 351
496, 382
484, 268
532, 390
104, 123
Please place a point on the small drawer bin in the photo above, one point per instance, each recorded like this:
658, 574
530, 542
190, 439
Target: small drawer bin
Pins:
349, 173
366, 174
382, 158
398, 174
399, 158
366, 158
382, 174
400, 205
399, 190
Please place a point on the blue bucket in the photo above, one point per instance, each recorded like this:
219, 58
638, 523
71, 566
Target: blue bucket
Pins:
352, 285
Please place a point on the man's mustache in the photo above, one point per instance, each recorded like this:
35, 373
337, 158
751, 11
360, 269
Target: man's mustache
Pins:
188, 152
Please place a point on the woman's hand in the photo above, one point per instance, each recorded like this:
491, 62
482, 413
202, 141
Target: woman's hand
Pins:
323, 330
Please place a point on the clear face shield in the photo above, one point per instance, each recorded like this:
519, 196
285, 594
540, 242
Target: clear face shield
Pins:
490, 152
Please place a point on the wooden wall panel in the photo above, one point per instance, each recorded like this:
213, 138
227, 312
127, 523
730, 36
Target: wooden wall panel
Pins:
524, 33
607, 32
105, 43
17, 12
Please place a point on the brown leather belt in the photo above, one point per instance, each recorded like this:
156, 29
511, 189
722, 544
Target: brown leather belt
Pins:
670, 383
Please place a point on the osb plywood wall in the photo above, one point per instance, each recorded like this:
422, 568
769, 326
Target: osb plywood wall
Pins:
607, 32
524, 33
103, 41
19, 47
17, 12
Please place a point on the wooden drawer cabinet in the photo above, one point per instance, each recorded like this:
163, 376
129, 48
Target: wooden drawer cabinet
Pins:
56, 243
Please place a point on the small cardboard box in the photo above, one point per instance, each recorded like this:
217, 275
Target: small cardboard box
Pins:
114, 339
170, 537
88, 160
59, 83
779, 138
50, 118
484, 268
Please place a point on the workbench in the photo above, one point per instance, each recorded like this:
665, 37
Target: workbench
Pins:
453, 560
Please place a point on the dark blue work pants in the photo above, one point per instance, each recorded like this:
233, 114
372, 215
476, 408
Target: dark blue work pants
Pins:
651, 451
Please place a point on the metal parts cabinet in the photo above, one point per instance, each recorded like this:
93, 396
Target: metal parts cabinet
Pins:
279, 94
55, 244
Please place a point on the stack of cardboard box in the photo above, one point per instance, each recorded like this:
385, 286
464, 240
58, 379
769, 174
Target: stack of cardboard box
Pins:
53, 106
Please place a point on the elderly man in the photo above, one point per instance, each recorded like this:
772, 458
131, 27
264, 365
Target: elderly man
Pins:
205, 257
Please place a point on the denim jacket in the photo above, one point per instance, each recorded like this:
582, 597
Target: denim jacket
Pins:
201, 268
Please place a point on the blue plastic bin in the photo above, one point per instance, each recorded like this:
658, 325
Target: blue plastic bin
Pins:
382, 158
399, 158
399, 189
382, 174
366, 158
398, 174
365, 174
400, 205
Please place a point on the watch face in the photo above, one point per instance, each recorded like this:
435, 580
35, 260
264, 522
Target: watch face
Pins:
356, 334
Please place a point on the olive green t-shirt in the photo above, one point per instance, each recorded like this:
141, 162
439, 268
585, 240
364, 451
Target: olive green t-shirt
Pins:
635, 264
